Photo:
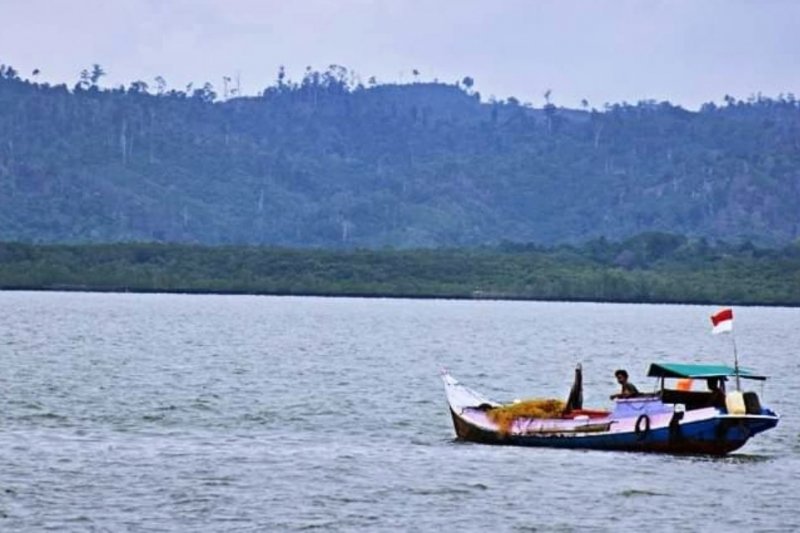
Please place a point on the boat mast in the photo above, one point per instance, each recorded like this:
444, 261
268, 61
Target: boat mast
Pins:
736, 363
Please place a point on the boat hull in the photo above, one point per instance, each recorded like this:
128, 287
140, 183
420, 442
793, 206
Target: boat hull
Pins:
715, 436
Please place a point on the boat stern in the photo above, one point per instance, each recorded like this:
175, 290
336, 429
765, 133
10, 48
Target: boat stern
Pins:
748, 425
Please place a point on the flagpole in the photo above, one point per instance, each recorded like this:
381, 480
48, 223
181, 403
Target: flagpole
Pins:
722, 321
736, 362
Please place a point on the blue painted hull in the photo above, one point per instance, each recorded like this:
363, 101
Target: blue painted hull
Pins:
718, 435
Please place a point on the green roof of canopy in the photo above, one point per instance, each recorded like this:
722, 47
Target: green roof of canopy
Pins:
681, 370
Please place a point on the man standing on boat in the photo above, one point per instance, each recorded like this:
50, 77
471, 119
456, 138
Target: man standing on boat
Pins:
628, 389
716, 387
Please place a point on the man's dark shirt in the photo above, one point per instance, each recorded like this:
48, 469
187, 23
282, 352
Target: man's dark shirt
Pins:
628, 390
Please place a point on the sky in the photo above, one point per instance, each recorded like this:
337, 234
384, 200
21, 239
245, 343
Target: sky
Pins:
685, 51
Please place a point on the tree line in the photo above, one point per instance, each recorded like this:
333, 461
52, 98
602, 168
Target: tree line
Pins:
652, 267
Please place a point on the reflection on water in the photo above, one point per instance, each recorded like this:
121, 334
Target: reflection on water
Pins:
633, 492
735, 458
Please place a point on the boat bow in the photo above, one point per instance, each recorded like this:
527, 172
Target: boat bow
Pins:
460, 397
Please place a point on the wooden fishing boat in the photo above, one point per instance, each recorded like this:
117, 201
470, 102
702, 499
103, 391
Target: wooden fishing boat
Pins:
668, 421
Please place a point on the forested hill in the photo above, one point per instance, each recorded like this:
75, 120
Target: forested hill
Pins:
328, 162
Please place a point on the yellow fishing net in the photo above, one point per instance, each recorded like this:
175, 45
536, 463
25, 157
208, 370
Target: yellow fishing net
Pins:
505, 415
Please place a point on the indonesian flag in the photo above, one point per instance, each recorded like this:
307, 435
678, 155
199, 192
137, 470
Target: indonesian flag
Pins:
722, 321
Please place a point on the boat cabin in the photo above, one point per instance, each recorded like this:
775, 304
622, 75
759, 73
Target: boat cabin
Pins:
712, 394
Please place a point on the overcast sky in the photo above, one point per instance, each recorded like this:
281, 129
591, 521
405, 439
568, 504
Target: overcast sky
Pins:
686, 51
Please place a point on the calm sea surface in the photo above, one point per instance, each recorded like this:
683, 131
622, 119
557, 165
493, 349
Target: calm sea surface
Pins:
127, 412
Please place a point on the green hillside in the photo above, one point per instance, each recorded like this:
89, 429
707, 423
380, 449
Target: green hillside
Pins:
328, 162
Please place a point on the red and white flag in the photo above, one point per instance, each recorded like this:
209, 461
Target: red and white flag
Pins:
722, 321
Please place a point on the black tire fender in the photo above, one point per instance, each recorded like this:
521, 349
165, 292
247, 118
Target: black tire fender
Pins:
641, 432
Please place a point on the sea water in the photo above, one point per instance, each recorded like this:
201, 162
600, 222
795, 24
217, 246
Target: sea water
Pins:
125, 412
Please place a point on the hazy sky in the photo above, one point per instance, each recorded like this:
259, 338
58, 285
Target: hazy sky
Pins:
687, 51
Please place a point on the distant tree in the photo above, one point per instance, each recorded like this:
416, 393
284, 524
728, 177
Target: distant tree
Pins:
84, 80
281, 77
208, 90
598, 124
96, 73
549, 110
468, 82
138, 87
161, 85
415, 73
336, 79
205, 94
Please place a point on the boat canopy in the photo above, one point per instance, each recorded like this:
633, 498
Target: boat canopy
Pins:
683, 370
